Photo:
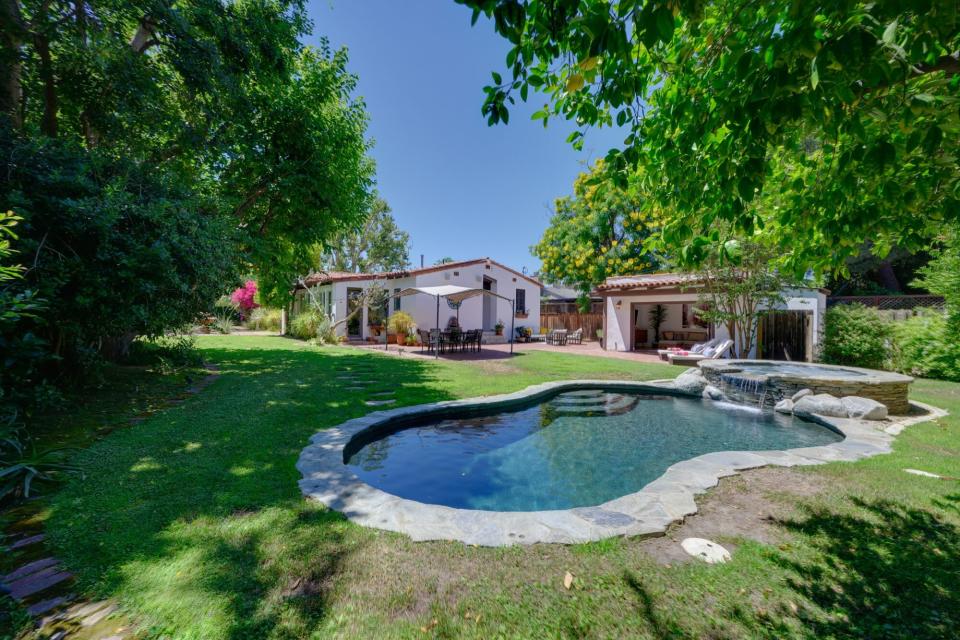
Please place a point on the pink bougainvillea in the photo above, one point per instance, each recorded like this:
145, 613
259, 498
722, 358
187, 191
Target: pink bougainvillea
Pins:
243, 297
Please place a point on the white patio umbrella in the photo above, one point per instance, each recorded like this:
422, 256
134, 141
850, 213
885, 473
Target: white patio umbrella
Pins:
454, 294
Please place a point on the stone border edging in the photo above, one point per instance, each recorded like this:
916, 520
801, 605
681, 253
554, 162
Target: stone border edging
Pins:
650, 511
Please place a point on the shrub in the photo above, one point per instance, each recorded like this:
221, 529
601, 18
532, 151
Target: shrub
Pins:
923, 347
856, 336
165, 354
306, 324
244, 298
264, 319
327, 330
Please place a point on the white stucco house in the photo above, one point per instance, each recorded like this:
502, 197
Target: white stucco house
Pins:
791, 331
337, 291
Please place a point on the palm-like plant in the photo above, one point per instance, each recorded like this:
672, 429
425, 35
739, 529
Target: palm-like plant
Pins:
658, 314
22, 464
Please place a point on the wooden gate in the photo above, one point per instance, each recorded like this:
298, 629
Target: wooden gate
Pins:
782, 335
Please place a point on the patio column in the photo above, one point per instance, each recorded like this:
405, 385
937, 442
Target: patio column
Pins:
513, 315
436, 347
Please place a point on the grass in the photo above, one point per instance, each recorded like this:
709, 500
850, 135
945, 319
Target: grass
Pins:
193, 520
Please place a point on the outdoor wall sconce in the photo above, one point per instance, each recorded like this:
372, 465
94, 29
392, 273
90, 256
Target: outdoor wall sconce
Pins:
618, 304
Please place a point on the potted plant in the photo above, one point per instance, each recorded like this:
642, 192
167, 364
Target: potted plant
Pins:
400, 324
498, 328
658, 314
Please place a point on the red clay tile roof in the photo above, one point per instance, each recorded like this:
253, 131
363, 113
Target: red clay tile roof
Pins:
327, 277
648, 281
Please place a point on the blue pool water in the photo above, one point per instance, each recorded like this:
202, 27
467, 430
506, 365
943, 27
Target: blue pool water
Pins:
576, 449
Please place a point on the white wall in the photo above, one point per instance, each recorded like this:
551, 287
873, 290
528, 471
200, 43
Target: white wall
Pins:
619, 322
423, 308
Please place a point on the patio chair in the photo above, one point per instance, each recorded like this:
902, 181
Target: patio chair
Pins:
695, 349
557, 337
710, 353
576, 337
475, 339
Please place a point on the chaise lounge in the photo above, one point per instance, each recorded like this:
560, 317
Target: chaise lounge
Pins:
695, 349
710, 353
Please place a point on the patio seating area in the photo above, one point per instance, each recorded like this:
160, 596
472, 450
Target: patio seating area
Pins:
451, 340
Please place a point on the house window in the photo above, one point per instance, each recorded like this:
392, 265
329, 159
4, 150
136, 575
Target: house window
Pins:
521, 300
685, 320
396, 299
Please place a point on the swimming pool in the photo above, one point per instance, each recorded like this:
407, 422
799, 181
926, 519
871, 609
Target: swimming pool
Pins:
573, 449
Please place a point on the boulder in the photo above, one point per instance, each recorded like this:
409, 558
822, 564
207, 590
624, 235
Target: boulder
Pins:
784, 406
691, 382
821, 404
710, 392
801, 394
864, 408
706, 550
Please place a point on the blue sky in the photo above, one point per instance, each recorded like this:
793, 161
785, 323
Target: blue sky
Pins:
459, 187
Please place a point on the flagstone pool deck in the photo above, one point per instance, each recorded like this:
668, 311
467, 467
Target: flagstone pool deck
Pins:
650, 511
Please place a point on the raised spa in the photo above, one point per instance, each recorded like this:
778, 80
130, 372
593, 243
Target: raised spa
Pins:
573, 449
763, 383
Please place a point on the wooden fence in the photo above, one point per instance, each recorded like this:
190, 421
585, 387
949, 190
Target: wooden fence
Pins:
589, 322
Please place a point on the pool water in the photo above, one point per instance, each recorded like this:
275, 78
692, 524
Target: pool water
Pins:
579, 448
797, 369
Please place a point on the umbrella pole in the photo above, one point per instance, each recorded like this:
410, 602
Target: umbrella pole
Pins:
436, 347
513, 315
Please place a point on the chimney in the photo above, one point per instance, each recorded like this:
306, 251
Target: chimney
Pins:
421, 261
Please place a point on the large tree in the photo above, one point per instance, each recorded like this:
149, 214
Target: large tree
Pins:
845, 112
597, 232
377, 245
154, 147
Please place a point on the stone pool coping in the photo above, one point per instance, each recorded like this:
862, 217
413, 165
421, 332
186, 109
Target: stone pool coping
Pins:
650, 511
869, 375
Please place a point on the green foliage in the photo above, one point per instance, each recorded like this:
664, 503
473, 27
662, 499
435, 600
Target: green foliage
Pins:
736, 285
166, 354
942, 277
596, 233
116, 249
23, 466
840, 118
857, 336
23, 352
306, 324
377, 245
658, 315
401, 323
264, 319
925, 346
153, 149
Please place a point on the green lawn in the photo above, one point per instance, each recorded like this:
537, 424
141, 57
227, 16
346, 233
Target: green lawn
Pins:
194, 521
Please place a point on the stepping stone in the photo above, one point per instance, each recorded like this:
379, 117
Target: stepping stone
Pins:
36, 582
382, 393
925, 474
706, 550
23, 542
99, 615
378, 403
27, 569
44, 606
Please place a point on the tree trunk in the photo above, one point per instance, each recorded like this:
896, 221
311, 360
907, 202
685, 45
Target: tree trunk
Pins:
11, 39
48, 125
888, 278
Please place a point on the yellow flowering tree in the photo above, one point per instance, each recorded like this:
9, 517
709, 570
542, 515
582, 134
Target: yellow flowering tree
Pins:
598, 232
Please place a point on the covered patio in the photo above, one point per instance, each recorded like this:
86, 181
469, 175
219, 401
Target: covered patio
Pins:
454, 339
